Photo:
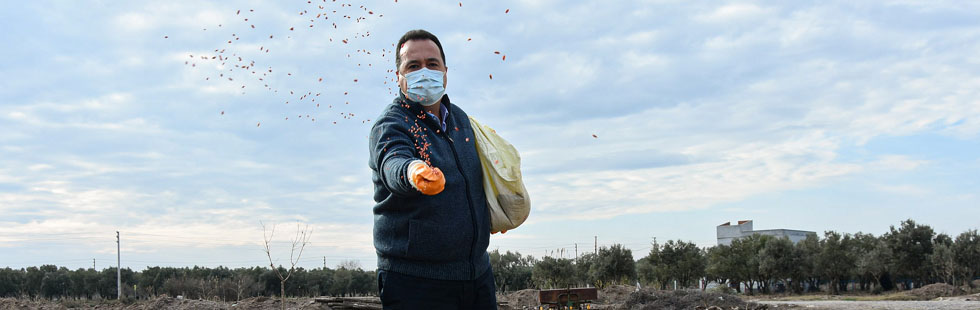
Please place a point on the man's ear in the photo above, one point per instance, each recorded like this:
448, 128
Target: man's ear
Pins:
445, 77
398, 82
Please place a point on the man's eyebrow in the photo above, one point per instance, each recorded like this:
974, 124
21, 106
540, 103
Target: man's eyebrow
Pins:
435, 60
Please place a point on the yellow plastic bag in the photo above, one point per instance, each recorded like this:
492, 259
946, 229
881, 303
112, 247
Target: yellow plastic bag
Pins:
507, 198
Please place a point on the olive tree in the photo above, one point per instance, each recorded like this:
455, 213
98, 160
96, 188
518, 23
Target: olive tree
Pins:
966, 253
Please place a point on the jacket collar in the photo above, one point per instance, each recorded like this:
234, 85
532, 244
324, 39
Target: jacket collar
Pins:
415, 108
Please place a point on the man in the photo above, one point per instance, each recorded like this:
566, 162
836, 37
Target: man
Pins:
431, 223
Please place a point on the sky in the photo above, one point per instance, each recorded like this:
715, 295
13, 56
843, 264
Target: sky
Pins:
635, 120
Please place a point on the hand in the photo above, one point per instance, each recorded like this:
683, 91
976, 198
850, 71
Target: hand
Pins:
428, 180
502, 232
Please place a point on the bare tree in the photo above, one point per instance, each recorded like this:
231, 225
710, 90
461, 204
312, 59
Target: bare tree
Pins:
207, 287
245, 285
300, 240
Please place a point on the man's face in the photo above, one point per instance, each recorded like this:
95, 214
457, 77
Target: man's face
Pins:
418, 54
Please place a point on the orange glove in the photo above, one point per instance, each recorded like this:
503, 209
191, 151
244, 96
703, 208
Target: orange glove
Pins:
502, 232
428, 180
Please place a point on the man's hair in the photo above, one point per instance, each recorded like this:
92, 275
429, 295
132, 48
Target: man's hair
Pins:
417, 34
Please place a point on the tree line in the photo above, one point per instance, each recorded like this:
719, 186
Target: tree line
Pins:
908, 256
220, 283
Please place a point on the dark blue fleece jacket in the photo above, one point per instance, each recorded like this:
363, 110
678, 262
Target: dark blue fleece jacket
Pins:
444, 236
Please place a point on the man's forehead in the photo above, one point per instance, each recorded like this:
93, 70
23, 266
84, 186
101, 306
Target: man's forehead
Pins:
419, 48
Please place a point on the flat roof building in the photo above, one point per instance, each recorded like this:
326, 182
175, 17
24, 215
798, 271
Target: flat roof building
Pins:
727, 232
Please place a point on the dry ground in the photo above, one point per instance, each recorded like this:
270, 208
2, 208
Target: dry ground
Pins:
875, 305
168, 303
628, 297
936, 296
933, 296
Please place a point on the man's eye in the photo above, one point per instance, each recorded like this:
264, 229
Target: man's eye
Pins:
413, 66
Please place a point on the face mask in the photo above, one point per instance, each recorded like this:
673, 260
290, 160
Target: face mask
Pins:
424, 86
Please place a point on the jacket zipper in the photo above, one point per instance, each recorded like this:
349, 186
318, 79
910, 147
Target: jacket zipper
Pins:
469, 201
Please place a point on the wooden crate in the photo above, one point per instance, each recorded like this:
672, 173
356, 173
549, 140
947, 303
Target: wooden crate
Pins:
568, 297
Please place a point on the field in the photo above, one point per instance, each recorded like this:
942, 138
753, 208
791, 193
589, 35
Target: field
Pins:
933, 296
936, 296
161, 303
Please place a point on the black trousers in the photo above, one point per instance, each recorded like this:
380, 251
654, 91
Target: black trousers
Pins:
405, 292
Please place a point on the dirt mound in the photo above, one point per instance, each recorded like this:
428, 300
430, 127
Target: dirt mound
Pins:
936, 290
521, 299
628, 298
162, 302
615, 294
257, 303
649, 299
18, 304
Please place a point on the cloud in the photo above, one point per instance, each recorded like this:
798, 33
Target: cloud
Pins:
100, 113
693, 106
780, 127
898, 163
735, 174
641, 62
134, 22
732, 13
903, 189
39, 167
563, 71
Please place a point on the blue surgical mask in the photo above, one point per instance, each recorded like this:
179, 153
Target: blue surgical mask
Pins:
424, 86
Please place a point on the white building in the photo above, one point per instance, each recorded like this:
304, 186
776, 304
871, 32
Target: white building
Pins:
727, 232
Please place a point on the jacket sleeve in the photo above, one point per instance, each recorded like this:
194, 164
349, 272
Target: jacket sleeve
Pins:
392, 149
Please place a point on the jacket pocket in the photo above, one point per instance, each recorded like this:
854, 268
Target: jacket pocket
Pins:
439, 243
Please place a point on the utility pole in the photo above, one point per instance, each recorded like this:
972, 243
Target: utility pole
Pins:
118, 269
324, 263
576, 252
93, 264
596, 245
